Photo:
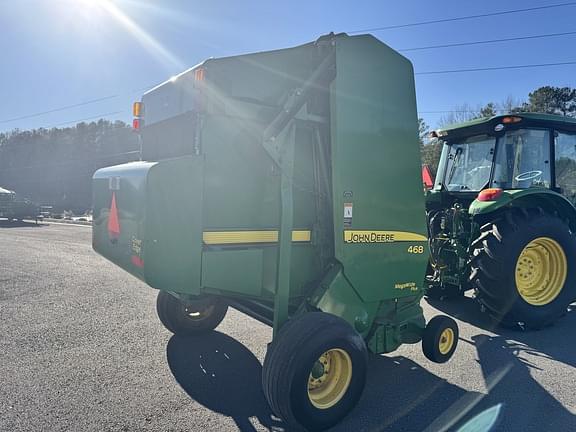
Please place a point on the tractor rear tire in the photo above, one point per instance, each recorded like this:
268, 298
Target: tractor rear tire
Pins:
191, 318
522, 268
314, 371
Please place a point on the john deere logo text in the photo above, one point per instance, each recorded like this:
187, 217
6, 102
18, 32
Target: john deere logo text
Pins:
352, 236
368, 237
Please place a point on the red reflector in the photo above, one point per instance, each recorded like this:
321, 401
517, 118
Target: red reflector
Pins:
136, 124
137, 261
199, 74
113, 222
491, 194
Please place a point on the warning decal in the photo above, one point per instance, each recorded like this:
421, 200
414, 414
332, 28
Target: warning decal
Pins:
113, 221
347, 210
347, 215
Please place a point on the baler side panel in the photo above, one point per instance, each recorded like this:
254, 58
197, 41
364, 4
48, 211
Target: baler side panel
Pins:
127, 184
376, 169
173, 245
242, 95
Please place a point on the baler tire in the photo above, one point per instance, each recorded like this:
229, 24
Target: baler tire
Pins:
440, 339
303, 343
181, 319
497, 260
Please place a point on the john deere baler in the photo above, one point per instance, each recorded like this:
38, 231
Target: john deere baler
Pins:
285, 184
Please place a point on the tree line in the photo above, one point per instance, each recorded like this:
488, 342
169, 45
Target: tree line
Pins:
55, 166
547, 99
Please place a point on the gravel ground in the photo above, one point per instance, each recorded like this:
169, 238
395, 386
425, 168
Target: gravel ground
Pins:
81, 349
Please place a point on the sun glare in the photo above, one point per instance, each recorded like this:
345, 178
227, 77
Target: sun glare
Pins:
97, 10
93, 3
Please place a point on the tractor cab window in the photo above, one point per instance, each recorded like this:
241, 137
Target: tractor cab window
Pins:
523, 160
469, 163
565, 149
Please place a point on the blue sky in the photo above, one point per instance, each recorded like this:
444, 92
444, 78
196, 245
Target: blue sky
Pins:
56, 53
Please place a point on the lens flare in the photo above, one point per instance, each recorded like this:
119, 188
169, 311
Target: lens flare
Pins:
145, 39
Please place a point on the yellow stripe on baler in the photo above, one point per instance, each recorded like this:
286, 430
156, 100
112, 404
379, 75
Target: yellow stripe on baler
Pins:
243, 237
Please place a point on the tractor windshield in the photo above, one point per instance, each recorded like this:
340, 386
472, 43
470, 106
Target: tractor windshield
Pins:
523, 159
469, 163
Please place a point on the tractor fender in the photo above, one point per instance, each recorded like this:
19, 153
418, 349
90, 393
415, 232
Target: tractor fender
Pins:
528, 198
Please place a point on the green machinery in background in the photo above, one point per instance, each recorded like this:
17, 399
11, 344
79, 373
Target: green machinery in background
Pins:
501, 217
285, 184
15, 207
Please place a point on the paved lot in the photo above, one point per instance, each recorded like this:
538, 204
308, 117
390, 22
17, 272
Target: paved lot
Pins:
81, 349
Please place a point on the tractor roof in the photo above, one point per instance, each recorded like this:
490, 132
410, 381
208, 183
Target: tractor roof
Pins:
487, 124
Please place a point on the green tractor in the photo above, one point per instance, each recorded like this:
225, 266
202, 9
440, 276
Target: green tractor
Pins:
501, 217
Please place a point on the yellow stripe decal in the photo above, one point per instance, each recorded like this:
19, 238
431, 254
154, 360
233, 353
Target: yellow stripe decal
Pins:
353, 236
242, 237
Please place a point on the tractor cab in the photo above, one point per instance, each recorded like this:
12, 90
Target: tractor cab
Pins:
501, 216
509, 153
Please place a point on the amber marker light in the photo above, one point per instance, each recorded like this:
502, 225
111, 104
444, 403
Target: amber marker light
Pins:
491, 194
138, 109
510, 120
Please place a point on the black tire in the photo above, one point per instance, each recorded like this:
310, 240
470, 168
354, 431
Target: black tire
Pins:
289, 362
189, 319
493, 268
440, 339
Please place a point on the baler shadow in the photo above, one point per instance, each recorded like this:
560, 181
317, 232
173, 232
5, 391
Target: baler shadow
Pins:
550, 342
4, 223
401, 395
223, 375
509, 373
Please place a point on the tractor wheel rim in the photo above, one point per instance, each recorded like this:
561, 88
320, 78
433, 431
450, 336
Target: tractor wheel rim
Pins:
541, 271
446, 341
330, 378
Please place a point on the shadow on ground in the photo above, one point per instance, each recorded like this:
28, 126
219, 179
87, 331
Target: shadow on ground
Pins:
224, 376
4, 223
551, 341
402, 396
507, 367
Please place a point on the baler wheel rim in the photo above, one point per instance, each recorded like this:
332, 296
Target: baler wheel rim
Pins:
446, 341
190, 318
328, 388
197, 314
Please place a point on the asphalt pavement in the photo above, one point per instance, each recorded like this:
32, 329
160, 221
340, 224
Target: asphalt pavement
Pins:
81, 349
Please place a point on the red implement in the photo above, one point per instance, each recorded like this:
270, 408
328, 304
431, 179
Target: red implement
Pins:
427, 177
